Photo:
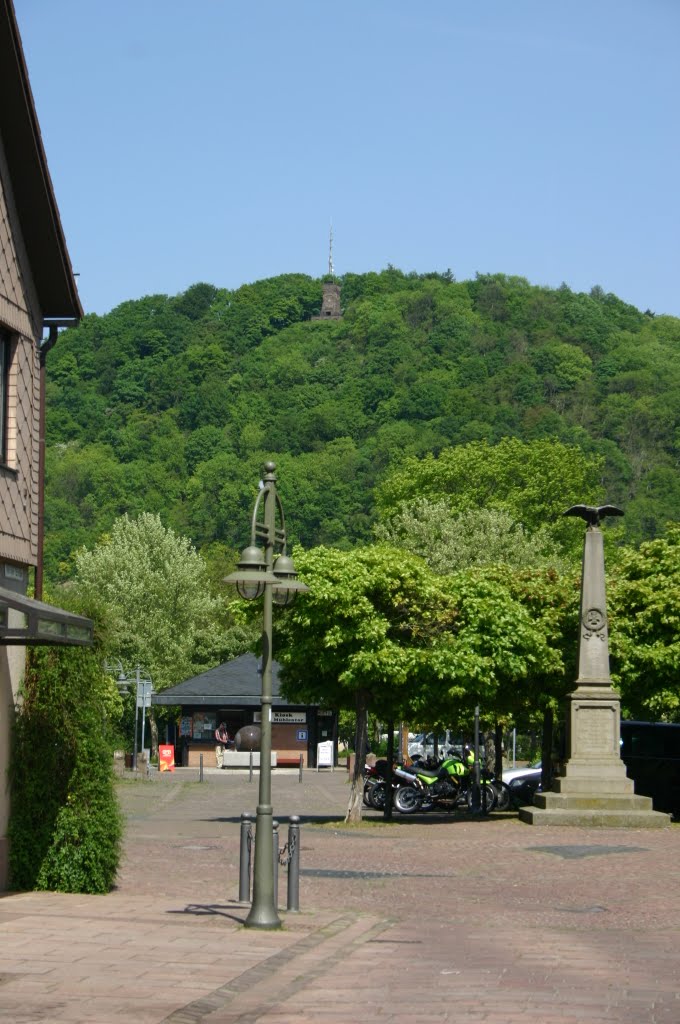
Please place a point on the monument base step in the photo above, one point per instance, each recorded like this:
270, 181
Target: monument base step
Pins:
595, 812
575, 801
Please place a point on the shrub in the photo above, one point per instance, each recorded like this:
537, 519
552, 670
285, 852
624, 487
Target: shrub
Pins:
65, 826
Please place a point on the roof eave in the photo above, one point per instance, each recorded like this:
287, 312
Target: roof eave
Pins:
31, 182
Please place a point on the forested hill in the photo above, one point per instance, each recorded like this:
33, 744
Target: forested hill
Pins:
170, 404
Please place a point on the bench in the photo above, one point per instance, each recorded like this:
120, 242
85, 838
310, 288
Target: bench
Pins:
241, 759
288, 762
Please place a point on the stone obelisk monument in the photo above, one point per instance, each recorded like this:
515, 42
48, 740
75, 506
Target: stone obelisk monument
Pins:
592, 787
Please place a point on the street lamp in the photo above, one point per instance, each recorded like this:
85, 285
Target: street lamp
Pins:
258, 574
144, 689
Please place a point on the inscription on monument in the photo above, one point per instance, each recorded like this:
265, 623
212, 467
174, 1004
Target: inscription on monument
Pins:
595, 731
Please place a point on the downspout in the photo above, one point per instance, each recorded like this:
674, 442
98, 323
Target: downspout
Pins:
45, 346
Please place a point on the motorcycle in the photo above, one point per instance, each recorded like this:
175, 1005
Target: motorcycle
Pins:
375, 784
447, 786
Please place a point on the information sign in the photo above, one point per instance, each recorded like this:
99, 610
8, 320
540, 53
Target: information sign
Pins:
324, 755
284, 717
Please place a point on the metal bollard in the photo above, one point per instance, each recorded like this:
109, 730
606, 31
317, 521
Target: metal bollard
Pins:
247, 820
275, 854
200, 769
294, 863
301, 763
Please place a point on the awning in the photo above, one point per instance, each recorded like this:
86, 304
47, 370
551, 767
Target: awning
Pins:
40, 623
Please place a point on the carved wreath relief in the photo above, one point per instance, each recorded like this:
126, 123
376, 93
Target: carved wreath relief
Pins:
594, 624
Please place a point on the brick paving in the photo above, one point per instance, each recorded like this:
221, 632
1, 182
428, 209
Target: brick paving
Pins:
428, 919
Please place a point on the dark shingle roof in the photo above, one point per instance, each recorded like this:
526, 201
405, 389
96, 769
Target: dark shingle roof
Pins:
238, 681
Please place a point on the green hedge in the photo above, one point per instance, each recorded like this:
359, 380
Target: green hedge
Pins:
65, 827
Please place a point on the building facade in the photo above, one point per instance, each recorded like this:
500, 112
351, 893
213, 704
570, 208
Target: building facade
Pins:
37, 295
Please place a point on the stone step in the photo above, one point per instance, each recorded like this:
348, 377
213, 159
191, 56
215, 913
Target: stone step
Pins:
593, 785
593, 818
585, 801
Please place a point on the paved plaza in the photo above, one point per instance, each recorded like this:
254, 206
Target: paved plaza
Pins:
424, 920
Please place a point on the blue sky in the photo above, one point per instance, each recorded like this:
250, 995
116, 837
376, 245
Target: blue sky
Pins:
215, 140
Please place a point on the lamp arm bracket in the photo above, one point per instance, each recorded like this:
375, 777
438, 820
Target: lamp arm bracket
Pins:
259, 531
254, 525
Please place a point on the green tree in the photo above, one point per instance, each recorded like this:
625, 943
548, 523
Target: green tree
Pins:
474, 537
533, 481
154, 589
505, 648
532, 577
644, 610
379, 632
358, 641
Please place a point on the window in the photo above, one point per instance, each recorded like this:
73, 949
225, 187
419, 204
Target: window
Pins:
205, 723
5, 348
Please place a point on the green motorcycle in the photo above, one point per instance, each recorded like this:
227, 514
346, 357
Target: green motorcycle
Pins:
446, 786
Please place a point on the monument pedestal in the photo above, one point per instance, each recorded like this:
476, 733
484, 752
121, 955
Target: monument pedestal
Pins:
593, 788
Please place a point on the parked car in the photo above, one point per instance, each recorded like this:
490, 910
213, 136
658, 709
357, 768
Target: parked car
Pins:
528, 772
522, 784
423, 744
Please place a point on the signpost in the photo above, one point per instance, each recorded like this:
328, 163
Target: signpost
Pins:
143, 701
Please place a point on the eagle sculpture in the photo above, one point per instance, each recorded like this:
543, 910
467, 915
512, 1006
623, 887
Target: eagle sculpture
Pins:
592, 513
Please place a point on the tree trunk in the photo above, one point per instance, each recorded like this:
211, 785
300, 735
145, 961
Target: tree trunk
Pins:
153, 729
390, 769
498, 767
490, 751
546, 750
356, 793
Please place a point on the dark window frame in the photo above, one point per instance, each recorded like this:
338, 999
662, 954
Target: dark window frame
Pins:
6, 345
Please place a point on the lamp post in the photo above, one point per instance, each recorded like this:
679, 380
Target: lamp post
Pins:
259, 574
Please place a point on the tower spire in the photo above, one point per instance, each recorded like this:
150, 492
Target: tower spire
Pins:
331, 269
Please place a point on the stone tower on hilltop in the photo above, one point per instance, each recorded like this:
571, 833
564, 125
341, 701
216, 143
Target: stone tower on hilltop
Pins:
330, 303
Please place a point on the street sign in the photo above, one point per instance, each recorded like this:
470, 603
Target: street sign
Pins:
144, 691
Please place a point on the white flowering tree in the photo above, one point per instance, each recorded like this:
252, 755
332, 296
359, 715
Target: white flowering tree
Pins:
153, 590
450, 541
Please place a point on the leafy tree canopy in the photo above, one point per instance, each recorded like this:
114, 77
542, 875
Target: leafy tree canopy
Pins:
474, 537
381, 632
644, 608
366, 627
154, 589
379, 626
534, 482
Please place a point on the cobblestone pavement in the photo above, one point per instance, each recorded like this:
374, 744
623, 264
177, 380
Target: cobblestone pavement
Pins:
427, 919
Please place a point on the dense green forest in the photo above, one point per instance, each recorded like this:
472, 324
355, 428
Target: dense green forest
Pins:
171, 404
